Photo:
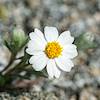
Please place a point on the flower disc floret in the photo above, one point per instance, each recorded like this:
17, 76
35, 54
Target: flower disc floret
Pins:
53, 50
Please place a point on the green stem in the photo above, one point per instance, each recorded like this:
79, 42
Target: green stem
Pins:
12, 58
21, 64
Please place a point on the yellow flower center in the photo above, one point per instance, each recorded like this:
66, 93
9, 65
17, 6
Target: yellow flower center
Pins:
53, 49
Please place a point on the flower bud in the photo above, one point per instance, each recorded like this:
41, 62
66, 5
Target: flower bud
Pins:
89, 36
19, 37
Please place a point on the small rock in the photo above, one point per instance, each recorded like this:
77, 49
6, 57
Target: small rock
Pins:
87, 95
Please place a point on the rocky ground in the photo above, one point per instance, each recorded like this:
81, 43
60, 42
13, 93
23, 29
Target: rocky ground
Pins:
79, 16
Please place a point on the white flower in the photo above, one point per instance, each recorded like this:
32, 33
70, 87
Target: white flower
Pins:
51, 51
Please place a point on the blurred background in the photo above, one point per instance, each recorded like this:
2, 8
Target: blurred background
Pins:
78, 16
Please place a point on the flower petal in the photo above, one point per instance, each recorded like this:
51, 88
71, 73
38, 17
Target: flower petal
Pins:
70, 51
37, 41
34, 49
64, 63
57, 72
38, 61
65, 38
38, 34
52, 69
51, 33
31, 51
36, 45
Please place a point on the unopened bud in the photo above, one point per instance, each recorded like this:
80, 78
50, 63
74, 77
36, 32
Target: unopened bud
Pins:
19, 36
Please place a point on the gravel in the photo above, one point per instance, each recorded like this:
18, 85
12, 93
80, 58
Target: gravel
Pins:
79, 16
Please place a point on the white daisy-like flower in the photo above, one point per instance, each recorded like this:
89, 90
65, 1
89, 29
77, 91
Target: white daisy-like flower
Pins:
51, 51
